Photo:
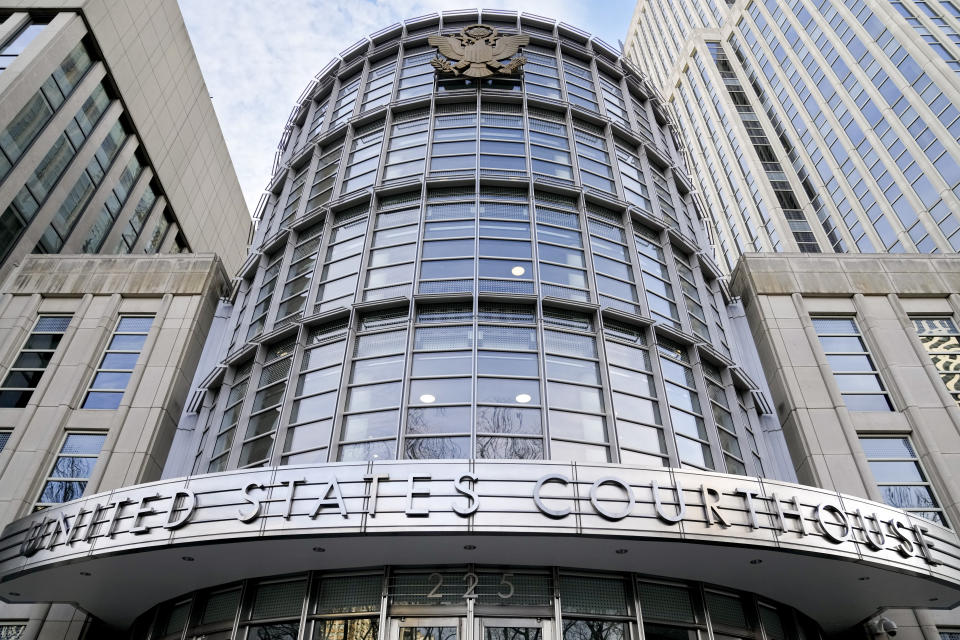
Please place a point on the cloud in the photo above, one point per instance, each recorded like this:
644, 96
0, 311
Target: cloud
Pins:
257, 57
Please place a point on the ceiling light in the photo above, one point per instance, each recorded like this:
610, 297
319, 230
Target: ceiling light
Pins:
469, 547
428, 398
756, 561
319, 549
187, 558
620, 552
523, 398
518, 270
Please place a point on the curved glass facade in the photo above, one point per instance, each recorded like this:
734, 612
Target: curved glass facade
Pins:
512, 267
499, 603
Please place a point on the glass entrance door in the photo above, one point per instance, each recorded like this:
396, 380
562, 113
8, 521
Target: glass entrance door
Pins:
512, 629
428, 629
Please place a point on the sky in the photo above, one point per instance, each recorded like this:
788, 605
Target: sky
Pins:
257, 56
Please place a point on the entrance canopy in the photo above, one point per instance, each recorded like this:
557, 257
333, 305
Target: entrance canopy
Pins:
836, 558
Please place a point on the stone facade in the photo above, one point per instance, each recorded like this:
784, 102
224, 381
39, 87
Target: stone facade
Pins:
885, 296
179, 293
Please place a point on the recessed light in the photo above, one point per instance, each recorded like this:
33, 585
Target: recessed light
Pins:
13, 593
620, 552
863, 578
427, 398
933, 599
469, 547
319, 549
518, 270
756, 561
187, 558
85, 573
523, 398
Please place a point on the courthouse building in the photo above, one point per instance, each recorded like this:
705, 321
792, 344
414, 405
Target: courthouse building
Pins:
479, 378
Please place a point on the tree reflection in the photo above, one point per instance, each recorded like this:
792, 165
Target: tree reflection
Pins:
592, 630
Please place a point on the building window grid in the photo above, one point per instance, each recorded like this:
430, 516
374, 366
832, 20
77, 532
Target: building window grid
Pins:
230, 417
341, 267
119, 359
475, 215
503, 148
578, 81
71, 469
576, 404
549, 145
453, 146
371, 422
346, 101
406, 149
613, 268
940, 338
416, 73
562, 262
656, 280
723, 418
379, 88
853, 367
391, 263
328, 167
27, 370
140, 214
639, 423
310, 424
540, 73
256, 448
686, 411
593, 158
303, 262
899, 474
293, 197
318, 118
261, 307
361, 164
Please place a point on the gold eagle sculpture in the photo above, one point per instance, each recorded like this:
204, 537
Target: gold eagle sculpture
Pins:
477, 51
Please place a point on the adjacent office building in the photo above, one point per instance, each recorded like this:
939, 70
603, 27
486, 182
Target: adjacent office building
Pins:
816, 126
108, 141
479, 378
833, 127
112, 164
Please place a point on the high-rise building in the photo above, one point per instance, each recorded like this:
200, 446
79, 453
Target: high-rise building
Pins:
479, 379
815, 126
108, 141
109, 145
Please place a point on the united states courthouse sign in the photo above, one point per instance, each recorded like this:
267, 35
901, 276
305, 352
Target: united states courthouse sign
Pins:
678, 513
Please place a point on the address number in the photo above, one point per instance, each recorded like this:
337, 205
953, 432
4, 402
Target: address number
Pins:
471, 580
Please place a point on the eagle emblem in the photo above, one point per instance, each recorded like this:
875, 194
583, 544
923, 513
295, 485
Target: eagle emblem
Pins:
477, 52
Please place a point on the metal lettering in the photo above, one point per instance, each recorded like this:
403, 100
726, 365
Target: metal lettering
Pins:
412, 493
904, 546
748, 496
925, 546
112, 522
783, 514
881, 538
537, 500
60, 524
374, 480
841, 521
326, 501
251, 500
142, 510
293, 487
710, 511
658, 504
92, 525
611, 515
466, 490
189, 495
34, 538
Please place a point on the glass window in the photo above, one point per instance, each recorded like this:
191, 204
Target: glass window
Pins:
899, 475
72, 467
941, 339
108, 384
861, 390
34, 356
